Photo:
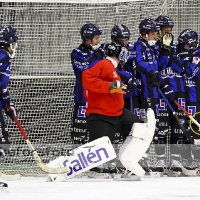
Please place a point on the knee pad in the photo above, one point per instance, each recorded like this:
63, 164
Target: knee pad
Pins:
137, 143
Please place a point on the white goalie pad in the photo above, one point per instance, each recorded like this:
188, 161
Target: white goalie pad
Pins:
137, 143
85, 157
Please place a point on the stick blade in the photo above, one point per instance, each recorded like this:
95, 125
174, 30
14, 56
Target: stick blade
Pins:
47, 169
10, 177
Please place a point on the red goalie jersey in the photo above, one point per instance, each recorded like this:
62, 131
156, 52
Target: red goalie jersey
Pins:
96, 82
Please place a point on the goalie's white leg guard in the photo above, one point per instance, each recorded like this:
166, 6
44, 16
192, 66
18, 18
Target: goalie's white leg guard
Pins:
85, 157
137, 143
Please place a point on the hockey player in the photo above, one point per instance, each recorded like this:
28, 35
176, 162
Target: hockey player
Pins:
121, 33
176, 82
102, 82
188, 53
8, 45
104, 94
82, 58
149, 56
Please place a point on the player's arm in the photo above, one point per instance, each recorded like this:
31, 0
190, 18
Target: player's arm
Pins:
141, 65
93, 81
83, 60
125, 76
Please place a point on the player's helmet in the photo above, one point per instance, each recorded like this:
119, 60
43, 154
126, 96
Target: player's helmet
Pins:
120, 31
188, 37
88, 31
164, 21
8, 35
148, 25
114, 48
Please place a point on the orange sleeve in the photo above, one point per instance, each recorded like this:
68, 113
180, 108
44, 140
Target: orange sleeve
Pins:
92, 80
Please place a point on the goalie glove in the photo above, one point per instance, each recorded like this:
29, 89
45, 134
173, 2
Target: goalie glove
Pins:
118, 87
167, 41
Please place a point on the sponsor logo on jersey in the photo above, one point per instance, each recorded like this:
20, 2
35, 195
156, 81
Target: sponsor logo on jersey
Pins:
137, 112
182, 103
191, 110
81, 111
162, 106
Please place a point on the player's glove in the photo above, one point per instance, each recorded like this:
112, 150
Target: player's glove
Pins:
11, 111
8, 106
99, 53
154, 79
118, 87
132, 86
169, 93
123, 57
167, 41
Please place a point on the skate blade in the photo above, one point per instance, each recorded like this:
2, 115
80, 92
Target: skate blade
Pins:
120, 177
171, 173
156, 174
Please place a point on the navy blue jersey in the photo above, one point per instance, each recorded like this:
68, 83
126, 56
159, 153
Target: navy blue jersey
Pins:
192, 78
5, 69
83, 58
174, 79
148, 59
130, 67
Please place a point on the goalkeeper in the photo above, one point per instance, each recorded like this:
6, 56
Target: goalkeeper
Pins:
82, 58
8, 45
104, 94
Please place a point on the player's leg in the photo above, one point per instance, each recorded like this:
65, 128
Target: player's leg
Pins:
137, 142
5, 144
79, 124
162, 114
180, 147
98, 126
195, 130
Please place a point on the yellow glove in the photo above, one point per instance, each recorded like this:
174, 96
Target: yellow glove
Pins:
167, 40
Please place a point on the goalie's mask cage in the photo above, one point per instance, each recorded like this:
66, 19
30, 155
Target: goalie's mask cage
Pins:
88, 31
164, 21
188, 37
42, 77
120, 31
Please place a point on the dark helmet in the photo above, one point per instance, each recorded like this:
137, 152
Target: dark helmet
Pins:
8, 35
148, 25
88, 31
188, 37
164, 21
114, 48
120, 31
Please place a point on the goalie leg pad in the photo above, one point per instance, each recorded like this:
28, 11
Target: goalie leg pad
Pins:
86, 157
137, 144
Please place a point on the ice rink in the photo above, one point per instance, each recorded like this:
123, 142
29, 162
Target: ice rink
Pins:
166, 188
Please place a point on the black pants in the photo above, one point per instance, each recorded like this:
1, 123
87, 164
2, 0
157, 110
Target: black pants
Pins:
5, 142
101, 125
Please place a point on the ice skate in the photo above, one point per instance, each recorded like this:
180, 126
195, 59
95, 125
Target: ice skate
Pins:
158, 169
177, 169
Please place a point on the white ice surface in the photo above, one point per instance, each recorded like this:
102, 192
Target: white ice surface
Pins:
166, 188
